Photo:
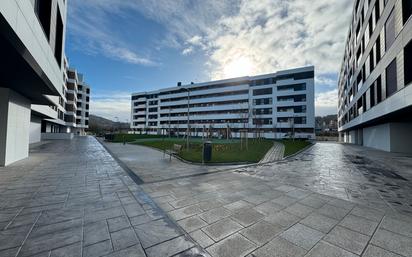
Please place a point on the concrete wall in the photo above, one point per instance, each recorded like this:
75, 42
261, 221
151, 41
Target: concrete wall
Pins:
56, 136
377, 137
35, 129
401, 137
14, 126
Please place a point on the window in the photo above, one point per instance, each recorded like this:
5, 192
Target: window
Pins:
263, 91
378, 84
59, 38
262, 101
407, 10
408, 63
378, 50
42, 8
391, 79
390, 33
372, 95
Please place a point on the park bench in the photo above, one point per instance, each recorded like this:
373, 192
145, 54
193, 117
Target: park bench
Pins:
175, 150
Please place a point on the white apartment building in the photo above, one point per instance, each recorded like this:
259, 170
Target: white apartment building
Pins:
34, 93
375, 92
32, 36
275, 105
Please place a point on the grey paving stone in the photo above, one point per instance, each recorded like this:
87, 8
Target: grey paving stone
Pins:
368, 213
269, 208
283, 219
299, 210
156, 232
13, 237
103, 214
238, 205
359, 224
170, 248
298, 193
396, 225
55, 227
51, 241
279, 247
192, 223
138, 220
319, 222
333, 211
98, 249
233, 246
393, 242
7, 215
59, 215
221, 229
201, 238
347, 239
285, 188
74, 250
324, 249
133, 210
261, 232
166, 207
373, 251
185, 212
214, 215
123, 238
95, 232
285, 200
247, 217
313, 201
210, 204
302, 236
134, 251
193, 252
342, 204
118, 223
23, 220
257, 199
183, 203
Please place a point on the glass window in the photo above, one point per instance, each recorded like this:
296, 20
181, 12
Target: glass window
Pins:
391, 79
390, 33
263, 91
407, 10
408, 63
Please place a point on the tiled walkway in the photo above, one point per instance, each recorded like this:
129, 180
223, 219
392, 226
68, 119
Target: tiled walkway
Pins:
70, 198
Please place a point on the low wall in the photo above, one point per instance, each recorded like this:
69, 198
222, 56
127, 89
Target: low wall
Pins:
56, 136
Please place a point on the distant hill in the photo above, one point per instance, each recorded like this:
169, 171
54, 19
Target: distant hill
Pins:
99, 124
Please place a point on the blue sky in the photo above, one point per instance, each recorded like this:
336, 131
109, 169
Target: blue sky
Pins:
139, 45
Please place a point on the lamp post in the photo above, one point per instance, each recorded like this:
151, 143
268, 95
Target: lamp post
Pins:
188, 118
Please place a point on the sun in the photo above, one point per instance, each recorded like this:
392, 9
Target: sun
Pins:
242, 66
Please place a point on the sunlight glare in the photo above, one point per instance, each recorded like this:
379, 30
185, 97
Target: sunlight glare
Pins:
242, 66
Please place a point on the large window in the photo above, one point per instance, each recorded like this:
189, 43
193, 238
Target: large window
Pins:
59, 38
390, 33
391, 79
407, 10
42, 8
408, 63
263, 91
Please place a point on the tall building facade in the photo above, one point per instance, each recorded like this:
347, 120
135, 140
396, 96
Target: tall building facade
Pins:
375, 96
33, 75
273, 105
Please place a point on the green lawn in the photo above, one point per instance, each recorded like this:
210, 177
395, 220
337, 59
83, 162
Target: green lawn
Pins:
292, 147
223, 151
131, 137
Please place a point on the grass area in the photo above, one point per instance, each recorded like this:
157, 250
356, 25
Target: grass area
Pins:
292, 147
223, 151
132, 137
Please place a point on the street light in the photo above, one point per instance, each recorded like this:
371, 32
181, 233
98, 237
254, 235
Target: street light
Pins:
188, 118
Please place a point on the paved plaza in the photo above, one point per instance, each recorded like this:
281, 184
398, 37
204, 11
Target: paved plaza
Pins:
73, 199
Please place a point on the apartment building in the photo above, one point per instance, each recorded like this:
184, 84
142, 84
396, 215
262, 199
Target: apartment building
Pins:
273, 105
375, 96
32, 36
68, 116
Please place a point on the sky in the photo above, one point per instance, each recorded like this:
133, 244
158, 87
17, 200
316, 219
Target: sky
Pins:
127, 46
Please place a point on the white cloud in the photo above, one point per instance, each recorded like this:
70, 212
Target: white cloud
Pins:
111, 105
326, 102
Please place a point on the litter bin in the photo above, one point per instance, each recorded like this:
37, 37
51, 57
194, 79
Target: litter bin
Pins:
207, 151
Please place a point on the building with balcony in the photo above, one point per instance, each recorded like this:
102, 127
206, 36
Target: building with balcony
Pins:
273, 105
375, 96
32, 36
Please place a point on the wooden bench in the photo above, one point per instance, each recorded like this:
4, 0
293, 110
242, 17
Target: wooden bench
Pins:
175, 150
